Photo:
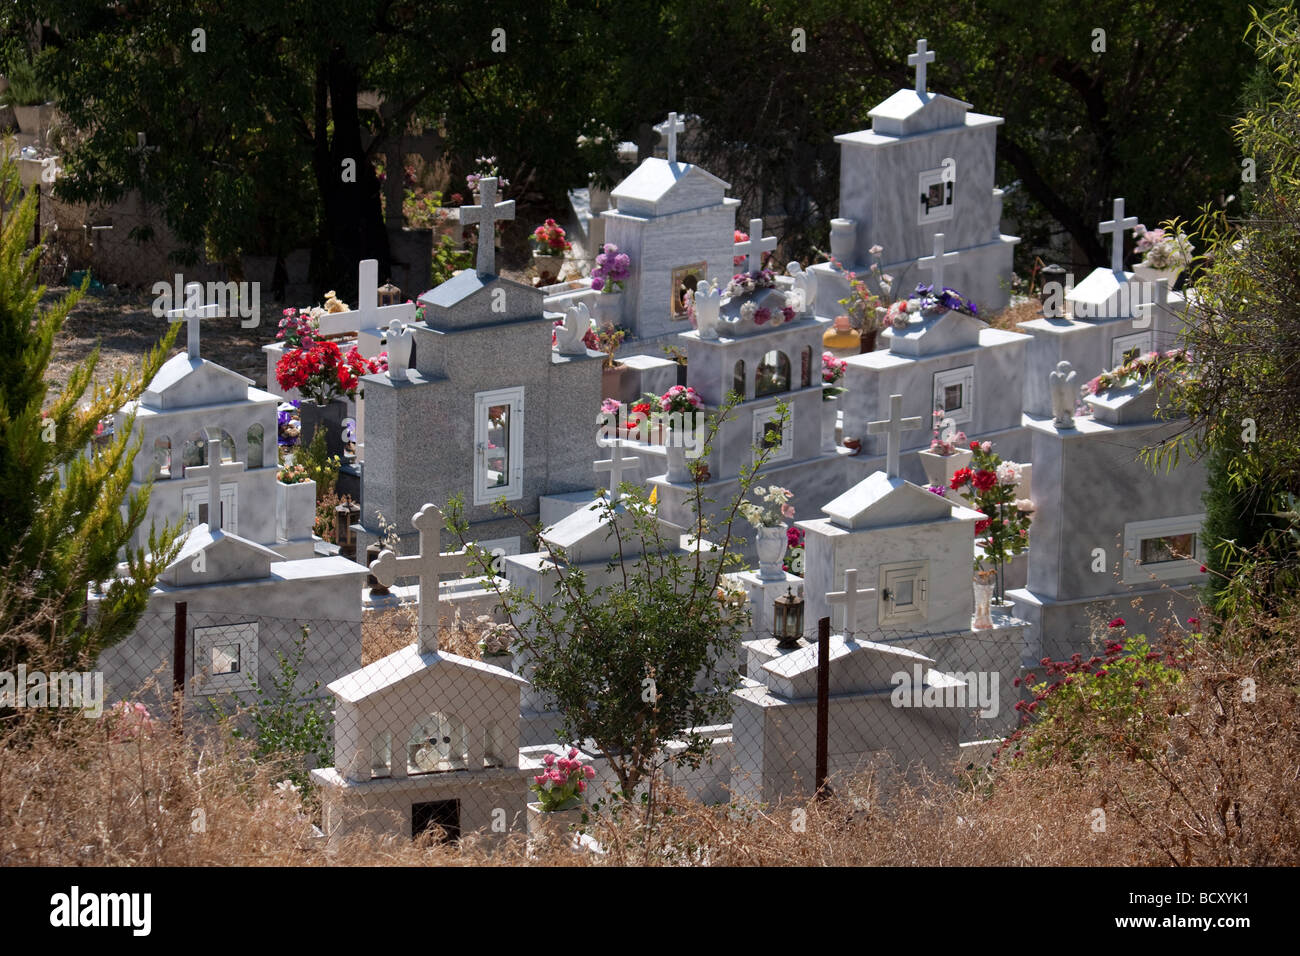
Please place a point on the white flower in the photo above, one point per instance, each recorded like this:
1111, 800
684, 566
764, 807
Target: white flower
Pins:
1008, 473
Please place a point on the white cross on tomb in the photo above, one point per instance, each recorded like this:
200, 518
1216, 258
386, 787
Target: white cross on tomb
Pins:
1117, 227
754, 247
935, 263
919, 59
893, 427
427, 565
193, 312
616, 464
671, 127
849, 598
486, 216
214, 469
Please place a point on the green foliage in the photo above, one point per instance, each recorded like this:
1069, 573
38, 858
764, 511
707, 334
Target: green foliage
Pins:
288, 726
63, 527
25, 87
642, 651
1101, 707
321, 467
448, 259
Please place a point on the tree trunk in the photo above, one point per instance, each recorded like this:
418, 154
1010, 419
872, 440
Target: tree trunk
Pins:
352, 226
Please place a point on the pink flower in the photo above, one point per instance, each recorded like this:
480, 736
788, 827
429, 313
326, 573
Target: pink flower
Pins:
582, 786
549, 759
787, 511
986, 447
589, 772
573, 752
1117, 622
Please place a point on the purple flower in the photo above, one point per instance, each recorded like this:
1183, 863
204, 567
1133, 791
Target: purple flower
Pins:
597, 283
923, 290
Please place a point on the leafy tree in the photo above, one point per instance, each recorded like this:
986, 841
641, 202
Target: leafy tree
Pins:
642, 655
67, 516
1244, 402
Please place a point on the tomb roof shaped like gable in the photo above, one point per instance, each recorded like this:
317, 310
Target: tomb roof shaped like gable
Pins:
942, 333
908, 112
226, 557
587, 535
404, 666
879, 501
660, 188
471, 299
185, 382
858, 667
1104, 294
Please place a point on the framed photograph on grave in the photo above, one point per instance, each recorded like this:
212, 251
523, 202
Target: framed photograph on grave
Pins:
684, 278
1125, 348
498, 445
225, 657
768, 433
903, 590
1163, 550
936, 196
195, 502
954, 392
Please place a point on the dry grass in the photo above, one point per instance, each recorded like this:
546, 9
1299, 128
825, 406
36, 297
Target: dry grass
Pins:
1221, 789
1022, 312
385, 631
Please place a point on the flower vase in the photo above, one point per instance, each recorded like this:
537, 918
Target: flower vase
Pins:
619, 382
830, 421
313, 415
844, 240
983, 605
548, 265
867, 338
678, 471
609, 309
1148, 274
939, 469
551, 827
771, 551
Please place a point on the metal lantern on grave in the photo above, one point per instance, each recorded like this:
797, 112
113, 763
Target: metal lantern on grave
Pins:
389, 294
787, 620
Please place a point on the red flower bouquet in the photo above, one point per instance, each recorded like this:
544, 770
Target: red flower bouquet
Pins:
322, 372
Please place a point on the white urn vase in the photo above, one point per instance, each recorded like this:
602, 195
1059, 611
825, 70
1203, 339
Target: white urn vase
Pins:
830, 422
771, 549
939, 469
844, 240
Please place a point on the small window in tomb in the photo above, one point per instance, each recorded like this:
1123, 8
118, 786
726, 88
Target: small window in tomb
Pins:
772, 375
162, 457
381, 755
255, 445
438, 744
685, 279
227, 446
770, 436
805, 367
437, 816
225, 659
954, 393
903, 593
194, 453
1177, 547
738, 379
952, 397
937, 192
499, 445
495, 746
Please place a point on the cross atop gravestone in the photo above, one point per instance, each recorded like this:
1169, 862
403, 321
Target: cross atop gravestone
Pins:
919, 59
427, 565
893, 427
670, 128
754, 247
616, 464
142, 150
193, 312
486, 216
1117, 227
935, 263
214, 469
849, 598
369, 313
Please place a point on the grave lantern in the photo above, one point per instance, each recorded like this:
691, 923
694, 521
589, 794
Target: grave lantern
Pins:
1053, 277
787, 620
389, 294
344, 515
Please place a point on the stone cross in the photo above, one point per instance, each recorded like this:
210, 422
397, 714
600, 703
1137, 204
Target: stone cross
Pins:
893, 427
192, 312
369, 314
671, 127
755, 246
1117, 227
427, 565
935, 263
615, 464
486, 216
849, 598
142, 149
214, 469
919, 59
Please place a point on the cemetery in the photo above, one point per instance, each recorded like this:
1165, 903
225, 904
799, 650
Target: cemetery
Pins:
686, 503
